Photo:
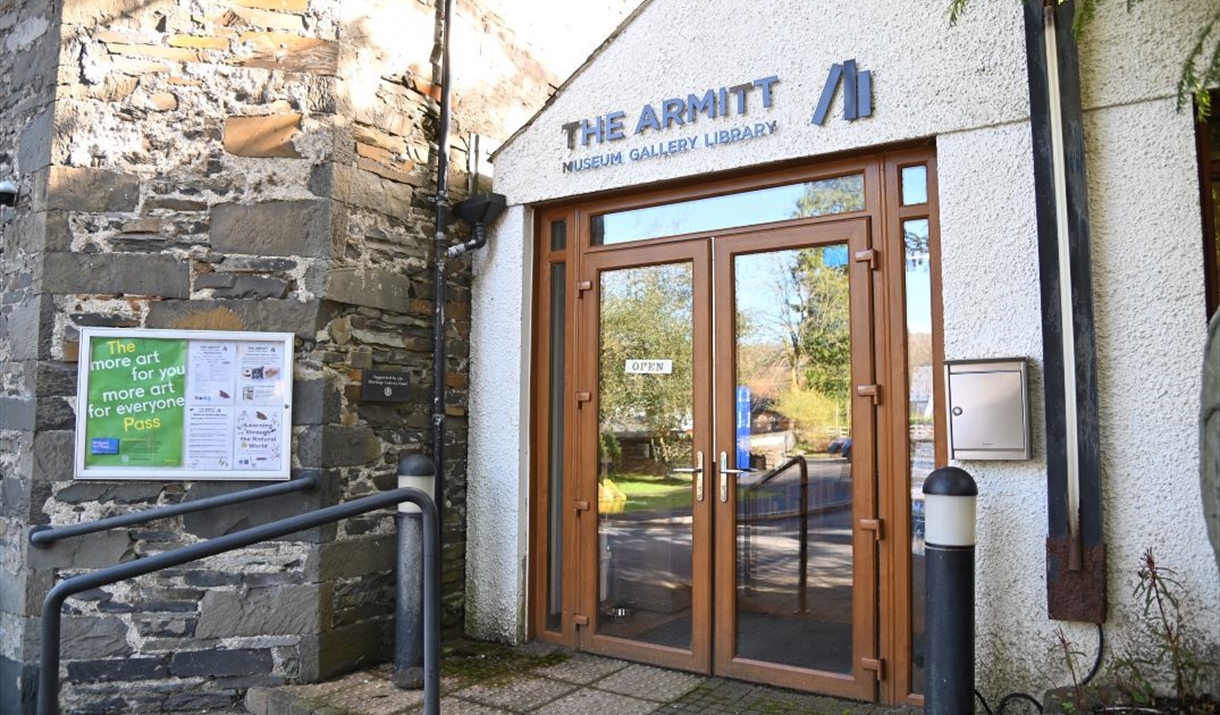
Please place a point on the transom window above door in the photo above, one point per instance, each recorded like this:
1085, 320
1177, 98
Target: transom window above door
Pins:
823, 197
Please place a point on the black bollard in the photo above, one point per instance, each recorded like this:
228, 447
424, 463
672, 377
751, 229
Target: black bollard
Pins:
949, 503
414, 470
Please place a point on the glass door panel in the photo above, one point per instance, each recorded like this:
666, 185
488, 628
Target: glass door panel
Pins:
648, 593
920, 420
645, 428
794, 509
793, 337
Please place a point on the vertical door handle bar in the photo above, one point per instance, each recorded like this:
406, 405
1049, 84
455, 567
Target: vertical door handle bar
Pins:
697, 470
724, 475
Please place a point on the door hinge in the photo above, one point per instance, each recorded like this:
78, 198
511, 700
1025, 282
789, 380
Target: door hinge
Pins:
583, 286
873, 391
581, 505
583, 397
873, 525
580, 620
877, 665
869, 256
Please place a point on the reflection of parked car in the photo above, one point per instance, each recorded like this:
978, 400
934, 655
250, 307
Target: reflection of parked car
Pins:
842, 446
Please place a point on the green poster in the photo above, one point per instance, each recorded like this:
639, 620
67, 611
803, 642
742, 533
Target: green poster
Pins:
136, 407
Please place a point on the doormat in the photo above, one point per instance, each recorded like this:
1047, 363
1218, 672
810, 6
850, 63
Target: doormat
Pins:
770, 638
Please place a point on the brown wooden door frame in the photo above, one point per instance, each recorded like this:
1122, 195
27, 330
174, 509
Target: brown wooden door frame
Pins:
894, 500
541, 423
861, 683
883, 207
696, 253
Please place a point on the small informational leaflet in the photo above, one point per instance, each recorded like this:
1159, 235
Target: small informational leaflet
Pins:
178, 404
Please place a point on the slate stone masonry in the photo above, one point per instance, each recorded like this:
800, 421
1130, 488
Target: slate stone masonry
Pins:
262, 165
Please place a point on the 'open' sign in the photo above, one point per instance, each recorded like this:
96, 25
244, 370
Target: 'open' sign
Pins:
649, 367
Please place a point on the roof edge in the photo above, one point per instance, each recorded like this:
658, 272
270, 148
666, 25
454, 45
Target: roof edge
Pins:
572, 77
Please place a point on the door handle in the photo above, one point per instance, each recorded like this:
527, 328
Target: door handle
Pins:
696, 470
724, 475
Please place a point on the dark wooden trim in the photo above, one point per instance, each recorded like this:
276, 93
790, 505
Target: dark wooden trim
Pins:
1071, 595
1209, 173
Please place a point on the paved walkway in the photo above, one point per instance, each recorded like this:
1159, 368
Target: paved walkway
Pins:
482, 679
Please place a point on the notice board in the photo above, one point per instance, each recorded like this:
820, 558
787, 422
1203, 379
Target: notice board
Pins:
183, 404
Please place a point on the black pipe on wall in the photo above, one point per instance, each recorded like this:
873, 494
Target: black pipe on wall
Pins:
439, 353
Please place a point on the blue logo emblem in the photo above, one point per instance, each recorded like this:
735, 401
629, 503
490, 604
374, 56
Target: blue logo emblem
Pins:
857, 92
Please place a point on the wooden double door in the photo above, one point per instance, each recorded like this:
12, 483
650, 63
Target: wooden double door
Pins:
729, 524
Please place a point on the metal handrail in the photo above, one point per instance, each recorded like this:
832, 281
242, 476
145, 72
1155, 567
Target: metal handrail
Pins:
48, 677
751, 507
47, 535
773, 473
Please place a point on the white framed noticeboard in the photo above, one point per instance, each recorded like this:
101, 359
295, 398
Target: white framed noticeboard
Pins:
183, 404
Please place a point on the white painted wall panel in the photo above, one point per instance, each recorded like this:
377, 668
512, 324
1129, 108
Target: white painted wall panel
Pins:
499, 453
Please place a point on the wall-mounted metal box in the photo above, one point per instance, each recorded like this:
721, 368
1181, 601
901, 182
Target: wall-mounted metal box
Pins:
988, 409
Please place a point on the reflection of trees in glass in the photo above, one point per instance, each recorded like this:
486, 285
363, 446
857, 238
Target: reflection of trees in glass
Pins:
915, 245
646, 313
831, 196
823, 330
811, 320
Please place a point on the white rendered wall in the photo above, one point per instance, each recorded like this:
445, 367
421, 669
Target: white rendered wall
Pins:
497, 486
965, 87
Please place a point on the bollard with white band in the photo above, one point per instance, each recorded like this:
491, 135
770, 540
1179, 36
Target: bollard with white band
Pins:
949, 511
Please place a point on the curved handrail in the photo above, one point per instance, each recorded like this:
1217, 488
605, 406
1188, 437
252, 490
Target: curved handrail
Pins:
773, 473
48, 677
803, 546
47, 535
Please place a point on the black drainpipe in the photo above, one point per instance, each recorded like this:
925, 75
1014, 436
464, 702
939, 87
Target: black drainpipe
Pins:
439, 356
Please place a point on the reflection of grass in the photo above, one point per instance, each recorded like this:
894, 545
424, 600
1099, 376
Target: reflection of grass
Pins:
651, 492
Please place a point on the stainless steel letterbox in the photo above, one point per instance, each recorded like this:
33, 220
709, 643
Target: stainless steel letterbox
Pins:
988, 409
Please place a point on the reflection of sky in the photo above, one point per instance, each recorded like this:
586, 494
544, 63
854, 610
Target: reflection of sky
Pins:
747, 208
919, 299
914, 185
765, 294
744, 209
761, 280
918, 275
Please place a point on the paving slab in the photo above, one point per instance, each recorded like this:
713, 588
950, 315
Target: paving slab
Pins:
457, 706
489, 679
583, 668
649, 683
588, 701
523, 694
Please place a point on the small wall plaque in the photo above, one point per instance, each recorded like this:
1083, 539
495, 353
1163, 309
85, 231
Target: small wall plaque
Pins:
385, 386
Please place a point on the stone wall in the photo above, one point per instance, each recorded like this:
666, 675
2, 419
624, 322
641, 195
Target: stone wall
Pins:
28, 56
262, 165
